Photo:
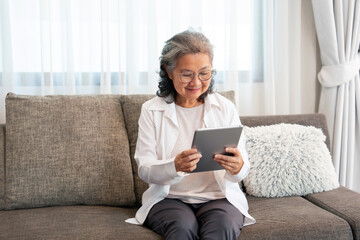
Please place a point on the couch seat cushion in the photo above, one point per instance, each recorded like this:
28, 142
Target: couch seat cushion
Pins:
66, 150
341, 202
292, 218
72, 222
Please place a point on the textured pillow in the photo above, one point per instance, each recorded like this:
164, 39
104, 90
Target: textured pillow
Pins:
132, 107
65, 150
287, 160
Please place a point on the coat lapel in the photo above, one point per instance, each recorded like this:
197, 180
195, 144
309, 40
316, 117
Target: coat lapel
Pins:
169, 128
210, 120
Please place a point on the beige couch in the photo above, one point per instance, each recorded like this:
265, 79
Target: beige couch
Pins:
67, 172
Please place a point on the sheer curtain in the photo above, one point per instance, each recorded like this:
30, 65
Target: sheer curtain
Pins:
113, 47
282, 56
289, 61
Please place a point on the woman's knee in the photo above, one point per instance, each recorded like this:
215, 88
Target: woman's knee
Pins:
221, 224
221, 228
182, 229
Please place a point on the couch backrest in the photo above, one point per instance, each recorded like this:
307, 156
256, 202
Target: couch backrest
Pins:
314, 119
65, 150
131, 105
2, 167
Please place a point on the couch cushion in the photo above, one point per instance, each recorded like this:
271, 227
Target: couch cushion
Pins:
229, 95
292, 218
2, 162
341, 202
287, 160
132, 107
64, 150
72, 222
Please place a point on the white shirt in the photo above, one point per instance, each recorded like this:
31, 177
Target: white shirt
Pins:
158, 132
196, 187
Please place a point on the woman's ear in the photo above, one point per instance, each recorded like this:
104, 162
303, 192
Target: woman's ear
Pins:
168, 72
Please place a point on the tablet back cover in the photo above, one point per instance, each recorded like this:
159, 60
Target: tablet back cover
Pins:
210, 141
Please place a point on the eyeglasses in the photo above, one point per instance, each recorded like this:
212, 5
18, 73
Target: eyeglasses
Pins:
204, 76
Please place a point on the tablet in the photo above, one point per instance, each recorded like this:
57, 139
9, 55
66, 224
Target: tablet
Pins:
210, 141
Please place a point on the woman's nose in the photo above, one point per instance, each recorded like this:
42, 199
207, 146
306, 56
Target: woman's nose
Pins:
195, 80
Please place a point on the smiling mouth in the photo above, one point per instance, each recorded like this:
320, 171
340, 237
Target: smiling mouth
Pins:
193, 90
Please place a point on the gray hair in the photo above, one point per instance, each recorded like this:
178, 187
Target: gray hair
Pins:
179, 45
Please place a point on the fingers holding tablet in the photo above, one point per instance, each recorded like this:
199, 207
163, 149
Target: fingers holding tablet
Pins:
186, 160
231, 163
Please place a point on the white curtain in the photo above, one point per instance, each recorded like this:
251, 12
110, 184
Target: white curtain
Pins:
282, 56
338, 30
113, 47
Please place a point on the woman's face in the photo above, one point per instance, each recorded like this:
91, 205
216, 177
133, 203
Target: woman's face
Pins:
188, 93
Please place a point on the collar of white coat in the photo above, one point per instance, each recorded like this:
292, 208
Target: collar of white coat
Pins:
160, 104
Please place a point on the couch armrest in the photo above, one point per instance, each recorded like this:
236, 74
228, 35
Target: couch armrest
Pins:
342, 202
2, 166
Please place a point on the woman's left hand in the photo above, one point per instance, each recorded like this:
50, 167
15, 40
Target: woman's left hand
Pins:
231, 163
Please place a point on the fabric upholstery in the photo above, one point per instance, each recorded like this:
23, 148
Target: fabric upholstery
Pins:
65, 150
343, 203
316, 120
292, 218
2, 165
72, 222
280, 218
288, 160
131, 105
229, 95
35, 140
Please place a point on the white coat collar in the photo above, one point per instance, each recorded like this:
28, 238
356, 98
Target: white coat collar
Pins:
160, 104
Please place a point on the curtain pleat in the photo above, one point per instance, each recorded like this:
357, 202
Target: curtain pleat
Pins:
337, 24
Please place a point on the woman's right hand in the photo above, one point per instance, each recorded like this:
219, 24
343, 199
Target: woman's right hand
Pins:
186, 160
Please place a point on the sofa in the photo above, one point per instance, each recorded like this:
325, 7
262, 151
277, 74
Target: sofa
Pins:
67, 172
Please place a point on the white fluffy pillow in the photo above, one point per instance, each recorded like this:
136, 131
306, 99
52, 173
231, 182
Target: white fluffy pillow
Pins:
287, 160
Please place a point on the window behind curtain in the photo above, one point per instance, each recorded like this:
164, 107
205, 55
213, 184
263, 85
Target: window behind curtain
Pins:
113, 46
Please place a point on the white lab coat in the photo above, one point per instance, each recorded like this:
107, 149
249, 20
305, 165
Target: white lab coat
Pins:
158, 132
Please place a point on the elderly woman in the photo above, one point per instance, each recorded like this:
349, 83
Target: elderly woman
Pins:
179, 204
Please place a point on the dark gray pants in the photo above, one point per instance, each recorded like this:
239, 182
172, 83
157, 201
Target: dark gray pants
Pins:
174, 219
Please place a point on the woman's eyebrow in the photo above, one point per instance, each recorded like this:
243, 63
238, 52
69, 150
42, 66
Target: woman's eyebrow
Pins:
185, 70
206, 67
